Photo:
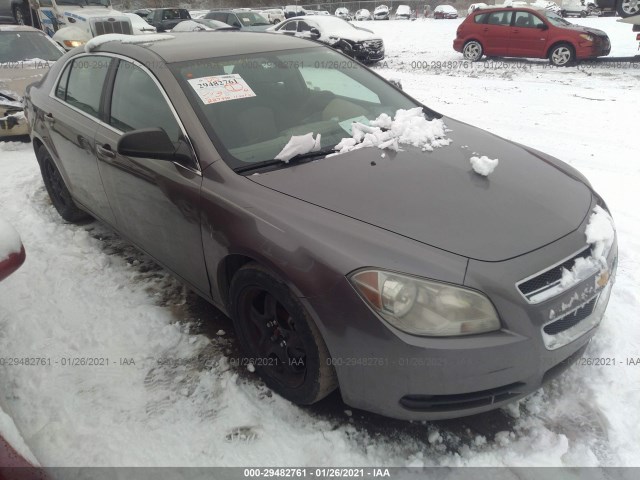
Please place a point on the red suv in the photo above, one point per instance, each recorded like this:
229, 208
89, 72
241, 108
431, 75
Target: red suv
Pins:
525, 32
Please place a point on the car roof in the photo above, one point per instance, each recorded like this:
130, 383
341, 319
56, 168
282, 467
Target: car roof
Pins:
18, 28
189, 45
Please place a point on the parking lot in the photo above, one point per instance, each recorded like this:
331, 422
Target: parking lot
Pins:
164, 387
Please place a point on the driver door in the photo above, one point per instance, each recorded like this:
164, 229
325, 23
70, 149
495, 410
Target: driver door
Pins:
156, 202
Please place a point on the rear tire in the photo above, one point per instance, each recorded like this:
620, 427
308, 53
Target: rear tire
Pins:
562, 55
275, 330
472, 51
57, 190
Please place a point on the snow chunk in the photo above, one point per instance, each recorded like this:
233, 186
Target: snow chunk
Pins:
298, 145
220, 332
250, 367
409, 127
600, 233
9, 240
434, 437
95, 42
483, 165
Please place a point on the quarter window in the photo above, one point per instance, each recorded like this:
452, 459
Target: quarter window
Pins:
138, 103
84, 81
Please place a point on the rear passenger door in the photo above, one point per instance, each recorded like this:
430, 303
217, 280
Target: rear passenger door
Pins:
497, 33
156, 202
72, 126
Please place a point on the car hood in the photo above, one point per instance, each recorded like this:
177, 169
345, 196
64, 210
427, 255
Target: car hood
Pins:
436, 198
593, 31
15, 80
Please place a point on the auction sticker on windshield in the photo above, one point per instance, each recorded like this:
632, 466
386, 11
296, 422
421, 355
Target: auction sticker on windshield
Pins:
221, 88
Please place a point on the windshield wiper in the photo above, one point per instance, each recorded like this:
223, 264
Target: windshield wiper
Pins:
292, 161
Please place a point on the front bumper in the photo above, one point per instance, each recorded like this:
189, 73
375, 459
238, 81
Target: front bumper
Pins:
369, 55
600, 47
385, 371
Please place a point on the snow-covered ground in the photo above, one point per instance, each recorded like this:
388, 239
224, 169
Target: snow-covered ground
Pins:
84, 293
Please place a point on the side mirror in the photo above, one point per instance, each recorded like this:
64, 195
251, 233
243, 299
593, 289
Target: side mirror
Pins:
147, 143
315, 33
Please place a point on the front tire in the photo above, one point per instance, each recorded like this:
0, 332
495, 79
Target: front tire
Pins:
275, 330
472, 51
57, 190
562, 55
21, 15
627, 8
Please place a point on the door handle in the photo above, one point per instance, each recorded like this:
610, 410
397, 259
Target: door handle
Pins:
48, 117
105, 151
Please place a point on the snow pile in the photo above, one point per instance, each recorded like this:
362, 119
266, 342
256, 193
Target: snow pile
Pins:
95, 42
600, 233
298, 145
483, 165
409, 127
9, 240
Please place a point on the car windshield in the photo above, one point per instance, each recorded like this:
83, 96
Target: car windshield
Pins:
251, 19
556, 19
252, 105
19, 46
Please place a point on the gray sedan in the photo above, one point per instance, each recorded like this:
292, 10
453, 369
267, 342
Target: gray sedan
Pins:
350, 232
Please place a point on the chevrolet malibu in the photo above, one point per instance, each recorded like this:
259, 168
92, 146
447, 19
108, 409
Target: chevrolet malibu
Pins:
528, 33
340, 223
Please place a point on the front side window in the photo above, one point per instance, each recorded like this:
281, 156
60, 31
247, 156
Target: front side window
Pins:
527, 20
84, 83
500, 18
137, 102
252, 105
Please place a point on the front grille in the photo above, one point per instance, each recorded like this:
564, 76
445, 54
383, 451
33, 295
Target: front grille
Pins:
461, 401
373, 44
549, 278
115, 26
571, 319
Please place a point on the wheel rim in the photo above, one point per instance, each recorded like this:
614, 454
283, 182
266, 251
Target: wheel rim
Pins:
472, 51
561, 55
271, 333
630, 7
57, 189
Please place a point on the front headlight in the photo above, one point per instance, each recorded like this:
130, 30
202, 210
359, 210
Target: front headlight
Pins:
73, 43
425, 307
587, 37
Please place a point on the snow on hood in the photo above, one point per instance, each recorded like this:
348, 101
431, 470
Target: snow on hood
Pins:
190, 26
409, 127
9, 240
95, 42
483, 165
10, 99
298, 145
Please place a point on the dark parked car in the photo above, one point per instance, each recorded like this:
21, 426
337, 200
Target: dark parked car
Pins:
420, 288
12, 253
242, 19
357, 42
445, 12
525, 32
166, 18
624, 8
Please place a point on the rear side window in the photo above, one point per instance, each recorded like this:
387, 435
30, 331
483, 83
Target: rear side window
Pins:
81, 83
499, 18
290, 27
137, 102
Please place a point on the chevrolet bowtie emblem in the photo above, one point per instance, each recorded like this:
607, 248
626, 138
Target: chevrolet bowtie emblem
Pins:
602, 279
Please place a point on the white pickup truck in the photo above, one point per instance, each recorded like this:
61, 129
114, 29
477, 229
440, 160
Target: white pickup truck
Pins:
72, 23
